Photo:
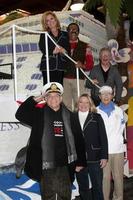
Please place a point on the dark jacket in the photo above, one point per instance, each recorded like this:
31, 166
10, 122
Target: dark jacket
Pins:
79, 54
33, 116
114, 80
56, 61
93, 137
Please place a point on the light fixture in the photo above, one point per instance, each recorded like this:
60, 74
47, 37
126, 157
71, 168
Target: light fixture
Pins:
77, 5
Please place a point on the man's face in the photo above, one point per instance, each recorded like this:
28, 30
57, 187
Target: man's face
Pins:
105, 57
53, 100
73, 32
106, 97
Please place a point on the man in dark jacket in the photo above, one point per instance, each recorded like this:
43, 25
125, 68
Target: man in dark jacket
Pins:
51, 145
105, 74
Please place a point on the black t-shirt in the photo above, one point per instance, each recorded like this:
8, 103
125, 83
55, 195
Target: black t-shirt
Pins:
105, 74
60, 148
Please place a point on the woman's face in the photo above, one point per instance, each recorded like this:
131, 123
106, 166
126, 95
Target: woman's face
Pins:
83, 104
50, 21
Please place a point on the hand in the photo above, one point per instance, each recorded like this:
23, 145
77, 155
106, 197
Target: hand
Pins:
103, 163
95, 81
78, 168
38, 99
58, 50
79, 64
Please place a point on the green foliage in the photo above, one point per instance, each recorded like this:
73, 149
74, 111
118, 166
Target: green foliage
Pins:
129, 8
114, 7
90, 4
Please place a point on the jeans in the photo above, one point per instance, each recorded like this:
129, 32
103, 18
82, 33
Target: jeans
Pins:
96, 177
83, 183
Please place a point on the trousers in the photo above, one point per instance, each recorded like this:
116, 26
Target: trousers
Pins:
114, 167
55, 184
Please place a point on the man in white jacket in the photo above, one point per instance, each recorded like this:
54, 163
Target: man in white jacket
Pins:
114, 123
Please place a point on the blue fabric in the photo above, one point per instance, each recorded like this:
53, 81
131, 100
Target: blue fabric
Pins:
107, 108
20, 189
11, 188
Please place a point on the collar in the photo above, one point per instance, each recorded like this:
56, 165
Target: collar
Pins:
107, 108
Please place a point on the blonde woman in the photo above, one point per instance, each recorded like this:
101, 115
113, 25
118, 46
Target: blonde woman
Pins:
89, 131
57, 60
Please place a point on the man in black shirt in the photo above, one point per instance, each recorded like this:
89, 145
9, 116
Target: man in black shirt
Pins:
51, 145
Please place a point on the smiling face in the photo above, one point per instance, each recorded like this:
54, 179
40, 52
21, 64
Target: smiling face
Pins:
73, 31
106, 97
105, 57
50, 21
53, 100
83, 104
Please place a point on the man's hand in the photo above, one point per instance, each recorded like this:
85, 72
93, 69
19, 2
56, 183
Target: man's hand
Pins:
39, 99
103, 163
80, 65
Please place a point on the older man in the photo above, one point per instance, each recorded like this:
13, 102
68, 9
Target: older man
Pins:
114, 123
51, 145
105, 74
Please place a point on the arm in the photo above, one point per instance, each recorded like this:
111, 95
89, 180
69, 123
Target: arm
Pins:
92, 75
89, 62
63, 44
79, 142
103, 138
118, 85
42, 43
26, 111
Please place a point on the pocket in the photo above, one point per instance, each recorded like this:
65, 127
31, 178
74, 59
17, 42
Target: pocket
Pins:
95, 147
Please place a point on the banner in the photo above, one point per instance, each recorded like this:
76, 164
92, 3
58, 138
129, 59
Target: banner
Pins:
13, 136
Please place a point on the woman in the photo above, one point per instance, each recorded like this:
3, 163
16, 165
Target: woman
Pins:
57, 60
88, 128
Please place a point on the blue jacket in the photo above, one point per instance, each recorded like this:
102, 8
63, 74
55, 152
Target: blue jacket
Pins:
93, 137
56, 61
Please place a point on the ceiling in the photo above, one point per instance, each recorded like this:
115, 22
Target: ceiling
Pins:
39, 6
32, 6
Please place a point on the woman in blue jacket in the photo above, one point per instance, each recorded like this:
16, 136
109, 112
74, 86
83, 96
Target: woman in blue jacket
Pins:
88, 128
57, 59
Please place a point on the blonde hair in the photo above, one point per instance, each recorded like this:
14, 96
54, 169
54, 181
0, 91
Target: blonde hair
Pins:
92, 105
43, 20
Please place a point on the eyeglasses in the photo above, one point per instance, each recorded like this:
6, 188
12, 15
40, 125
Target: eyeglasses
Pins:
106, 94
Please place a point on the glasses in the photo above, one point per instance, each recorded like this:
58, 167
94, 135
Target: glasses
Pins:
106, 94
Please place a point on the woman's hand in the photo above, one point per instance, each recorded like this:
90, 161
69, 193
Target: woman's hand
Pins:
58, 50
78, 168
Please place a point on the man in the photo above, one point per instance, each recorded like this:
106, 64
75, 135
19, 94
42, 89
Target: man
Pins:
115, 124
81, 53
105, 74
51, 145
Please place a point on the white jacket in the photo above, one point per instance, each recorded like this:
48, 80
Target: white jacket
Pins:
115, 125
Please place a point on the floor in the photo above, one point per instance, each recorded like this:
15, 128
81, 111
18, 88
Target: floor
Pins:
128, 188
